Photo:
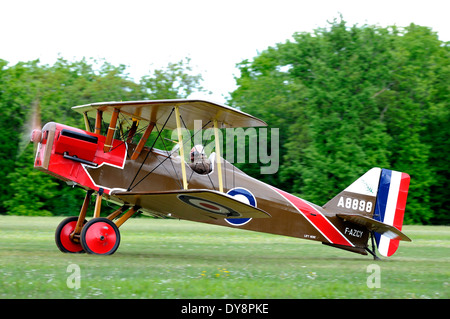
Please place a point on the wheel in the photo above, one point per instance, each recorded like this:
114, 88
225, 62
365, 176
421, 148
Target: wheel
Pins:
100, 236
62, 236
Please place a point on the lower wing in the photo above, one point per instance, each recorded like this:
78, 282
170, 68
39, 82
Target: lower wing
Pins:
196, 205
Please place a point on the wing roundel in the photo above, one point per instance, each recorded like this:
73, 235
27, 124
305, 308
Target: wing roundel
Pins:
196, 205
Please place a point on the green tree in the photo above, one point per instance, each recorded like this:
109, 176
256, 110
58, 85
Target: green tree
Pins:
57, 88
416, 108
31, 191
350, 98
176, 81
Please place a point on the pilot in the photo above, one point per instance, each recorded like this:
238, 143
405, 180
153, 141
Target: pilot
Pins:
199, 162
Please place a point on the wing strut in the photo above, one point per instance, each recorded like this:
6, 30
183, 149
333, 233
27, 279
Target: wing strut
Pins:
142, 141
111, 130
86, 122
180, 142
148, 153
218, 158
98, 122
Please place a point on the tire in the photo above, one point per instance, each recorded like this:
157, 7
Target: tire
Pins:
62, 236
100, 236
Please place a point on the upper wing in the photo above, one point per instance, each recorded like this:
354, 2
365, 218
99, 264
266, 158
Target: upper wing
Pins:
197, 205
387, 230
159, 110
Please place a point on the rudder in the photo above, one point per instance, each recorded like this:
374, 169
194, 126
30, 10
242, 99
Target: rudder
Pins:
390, 207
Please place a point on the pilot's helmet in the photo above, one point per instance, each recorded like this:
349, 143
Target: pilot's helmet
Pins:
197, 152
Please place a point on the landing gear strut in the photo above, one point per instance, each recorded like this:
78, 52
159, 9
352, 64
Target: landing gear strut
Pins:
100, 236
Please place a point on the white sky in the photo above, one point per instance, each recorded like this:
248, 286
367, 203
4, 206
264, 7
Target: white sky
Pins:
216, 35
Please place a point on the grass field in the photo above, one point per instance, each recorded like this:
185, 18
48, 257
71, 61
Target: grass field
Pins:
178, 259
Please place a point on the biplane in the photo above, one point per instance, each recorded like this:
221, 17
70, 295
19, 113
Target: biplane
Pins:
109, 163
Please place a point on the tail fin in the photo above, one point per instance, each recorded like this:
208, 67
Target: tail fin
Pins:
358, 198
378, 195
390, 207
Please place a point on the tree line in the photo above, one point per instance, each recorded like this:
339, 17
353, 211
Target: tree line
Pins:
350, 98
345, 99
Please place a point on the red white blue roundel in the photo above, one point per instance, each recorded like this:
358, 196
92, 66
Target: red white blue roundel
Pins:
208, 206
245, 196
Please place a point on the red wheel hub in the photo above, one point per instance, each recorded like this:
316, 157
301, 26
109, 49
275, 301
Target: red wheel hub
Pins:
100, 237
64, 237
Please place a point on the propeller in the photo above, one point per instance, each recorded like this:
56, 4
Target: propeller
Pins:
31, 130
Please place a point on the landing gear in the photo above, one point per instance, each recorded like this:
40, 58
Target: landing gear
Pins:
99, 236
63, 239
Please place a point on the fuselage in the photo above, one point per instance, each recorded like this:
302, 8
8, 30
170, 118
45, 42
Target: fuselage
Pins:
78, 158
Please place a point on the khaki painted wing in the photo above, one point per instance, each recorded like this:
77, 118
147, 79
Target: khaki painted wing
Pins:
158, 111
197, 205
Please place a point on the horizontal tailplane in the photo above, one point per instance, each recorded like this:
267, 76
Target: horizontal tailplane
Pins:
374, 225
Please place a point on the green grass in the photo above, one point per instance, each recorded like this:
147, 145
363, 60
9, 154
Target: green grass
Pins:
179, 259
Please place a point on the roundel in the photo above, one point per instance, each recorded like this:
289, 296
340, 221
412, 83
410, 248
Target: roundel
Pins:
208, 206
245, 196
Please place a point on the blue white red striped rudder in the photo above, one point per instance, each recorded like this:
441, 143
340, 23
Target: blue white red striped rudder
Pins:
390, 207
